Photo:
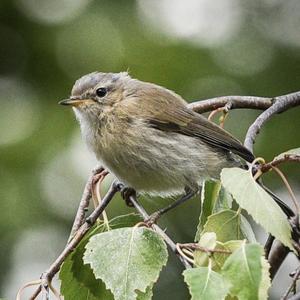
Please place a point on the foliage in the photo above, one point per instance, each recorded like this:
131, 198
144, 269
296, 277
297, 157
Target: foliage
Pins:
123, 260
258, 203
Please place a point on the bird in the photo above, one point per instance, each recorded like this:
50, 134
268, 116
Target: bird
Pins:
148, 137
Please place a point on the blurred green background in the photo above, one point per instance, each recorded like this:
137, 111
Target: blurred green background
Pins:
198, 48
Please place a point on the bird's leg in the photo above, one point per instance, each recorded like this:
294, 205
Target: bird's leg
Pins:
189, 193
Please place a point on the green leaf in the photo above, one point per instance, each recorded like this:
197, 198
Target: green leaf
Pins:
77, 280
247, 230
213, 199
126, 259
226, 224
224, 201
205, 284
147, 295
295, 151
220, 258
258, 203
208, 240
244, 271
265, 283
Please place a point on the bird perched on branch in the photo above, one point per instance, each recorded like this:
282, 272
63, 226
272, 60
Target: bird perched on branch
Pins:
147, 136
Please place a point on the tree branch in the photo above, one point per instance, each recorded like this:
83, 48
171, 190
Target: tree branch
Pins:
293, 284
281, 104
196, 246
253, 102
295, 297
276, 257
235, 102
287, 157
84, 203
83, 229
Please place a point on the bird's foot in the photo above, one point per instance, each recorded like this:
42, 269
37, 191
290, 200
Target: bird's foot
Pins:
126, 193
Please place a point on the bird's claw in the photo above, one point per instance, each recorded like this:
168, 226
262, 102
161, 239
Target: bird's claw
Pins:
126, 192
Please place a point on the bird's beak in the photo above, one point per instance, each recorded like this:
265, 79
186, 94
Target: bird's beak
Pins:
75, 101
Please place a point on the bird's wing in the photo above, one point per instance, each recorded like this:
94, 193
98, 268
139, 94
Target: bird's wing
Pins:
164, 110
187, 122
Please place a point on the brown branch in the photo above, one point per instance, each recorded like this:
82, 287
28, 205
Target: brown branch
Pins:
83, 229
281, 104
295, 297
233, 102
84, 203
287, 157
195, 246
250, 102
293, 284
276, 257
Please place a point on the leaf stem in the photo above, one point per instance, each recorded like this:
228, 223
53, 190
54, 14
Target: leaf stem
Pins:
279, 172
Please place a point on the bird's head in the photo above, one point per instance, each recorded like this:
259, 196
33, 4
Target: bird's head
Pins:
94, 91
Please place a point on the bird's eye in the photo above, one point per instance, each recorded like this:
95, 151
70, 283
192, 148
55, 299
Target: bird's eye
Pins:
101, 92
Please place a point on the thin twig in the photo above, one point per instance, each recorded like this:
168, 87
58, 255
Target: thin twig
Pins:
288, 188
183, 255
214, 112
295, 297
96, 195
196, 246
253, 102
26, 285
295, 278
140, 209
286, 158
84, 203
80, 233
188, 252
281, 104
224, 111
54, 291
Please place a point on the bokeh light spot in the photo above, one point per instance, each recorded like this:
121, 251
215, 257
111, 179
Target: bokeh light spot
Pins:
63, 179
280, 21
202, 22
52, 12
34, 251
241, 57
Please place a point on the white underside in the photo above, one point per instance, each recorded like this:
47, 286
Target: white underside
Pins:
157, 162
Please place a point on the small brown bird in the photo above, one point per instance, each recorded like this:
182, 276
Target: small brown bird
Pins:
147, 136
